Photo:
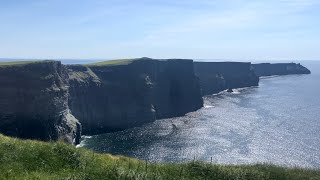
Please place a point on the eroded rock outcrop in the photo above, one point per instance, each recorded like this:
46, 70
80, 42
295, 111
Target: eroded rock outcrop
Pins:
34, 102
118, 96
268, 69
218, 76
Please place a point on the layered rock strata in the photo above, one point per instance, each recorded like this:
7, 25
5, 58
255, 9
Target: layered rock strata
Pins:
218, 76
34, 102
109, 97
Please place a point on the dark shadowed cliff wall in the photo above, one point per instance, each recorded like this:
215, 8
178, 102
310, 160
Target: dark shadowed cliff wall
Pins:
114, 97
44, 100
218, 76
268, 69
34, 102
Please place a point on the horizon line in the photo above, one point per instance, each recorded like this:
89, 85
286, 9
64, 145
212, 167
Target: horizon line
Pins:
107, 59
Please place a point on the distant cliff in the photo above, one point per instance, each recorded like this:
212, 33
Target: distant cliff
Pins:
218, 76
34, 102
121, 94
268, 69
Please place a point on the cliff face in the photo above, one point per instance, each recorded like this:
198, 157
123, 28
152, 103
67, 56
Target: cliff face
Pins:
267, 69
218, 76
44, 100
34, 102
114, 97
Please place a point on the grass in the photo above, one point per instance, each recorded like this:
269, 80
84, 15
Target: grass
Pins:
19, 63
112, 62
27, 159
117, 62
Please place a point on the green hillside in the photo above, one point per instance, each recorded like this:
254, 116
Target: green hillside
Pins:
26, 159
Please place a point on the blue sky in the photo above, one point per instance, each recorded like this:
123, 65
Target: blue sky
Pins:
205, 29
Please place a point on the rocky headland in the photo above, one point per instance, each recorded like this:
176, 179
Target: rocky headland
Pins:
48, 101
268, 69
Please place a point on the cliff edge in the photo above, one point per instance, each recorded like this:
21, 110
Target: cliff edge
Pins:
34, 102
116, 95
218, 76
268, 69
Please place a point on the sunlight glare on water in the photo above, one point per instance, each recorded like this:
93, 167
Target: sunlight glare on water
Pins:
277, 122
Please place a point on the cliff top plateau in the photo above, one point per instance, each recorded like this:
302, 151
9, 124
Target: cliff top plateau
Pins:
22, 63
126, 61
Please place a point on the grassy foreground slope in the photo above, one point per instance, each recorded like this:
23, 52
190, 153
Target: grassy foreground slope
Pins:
26, 159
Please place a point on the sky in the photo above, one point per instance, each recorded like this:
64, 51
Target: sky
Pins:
198, 29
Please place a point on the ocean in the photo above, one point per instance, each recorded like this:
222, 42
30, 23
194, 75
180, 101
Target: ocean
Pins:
277, 122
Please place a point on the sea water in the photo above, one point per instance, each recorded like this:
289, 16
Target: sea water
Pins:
277, 122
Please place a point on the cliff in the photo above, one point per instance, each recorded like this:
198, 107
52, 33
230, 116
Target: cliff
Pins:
218, 76
34, 102
268, 69
116, 95
46, 100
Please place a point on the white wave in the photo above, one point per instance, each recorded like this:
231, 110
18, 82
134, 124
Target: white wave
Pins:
80, 145
86, 137
235, 91
208, 106
267, 77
